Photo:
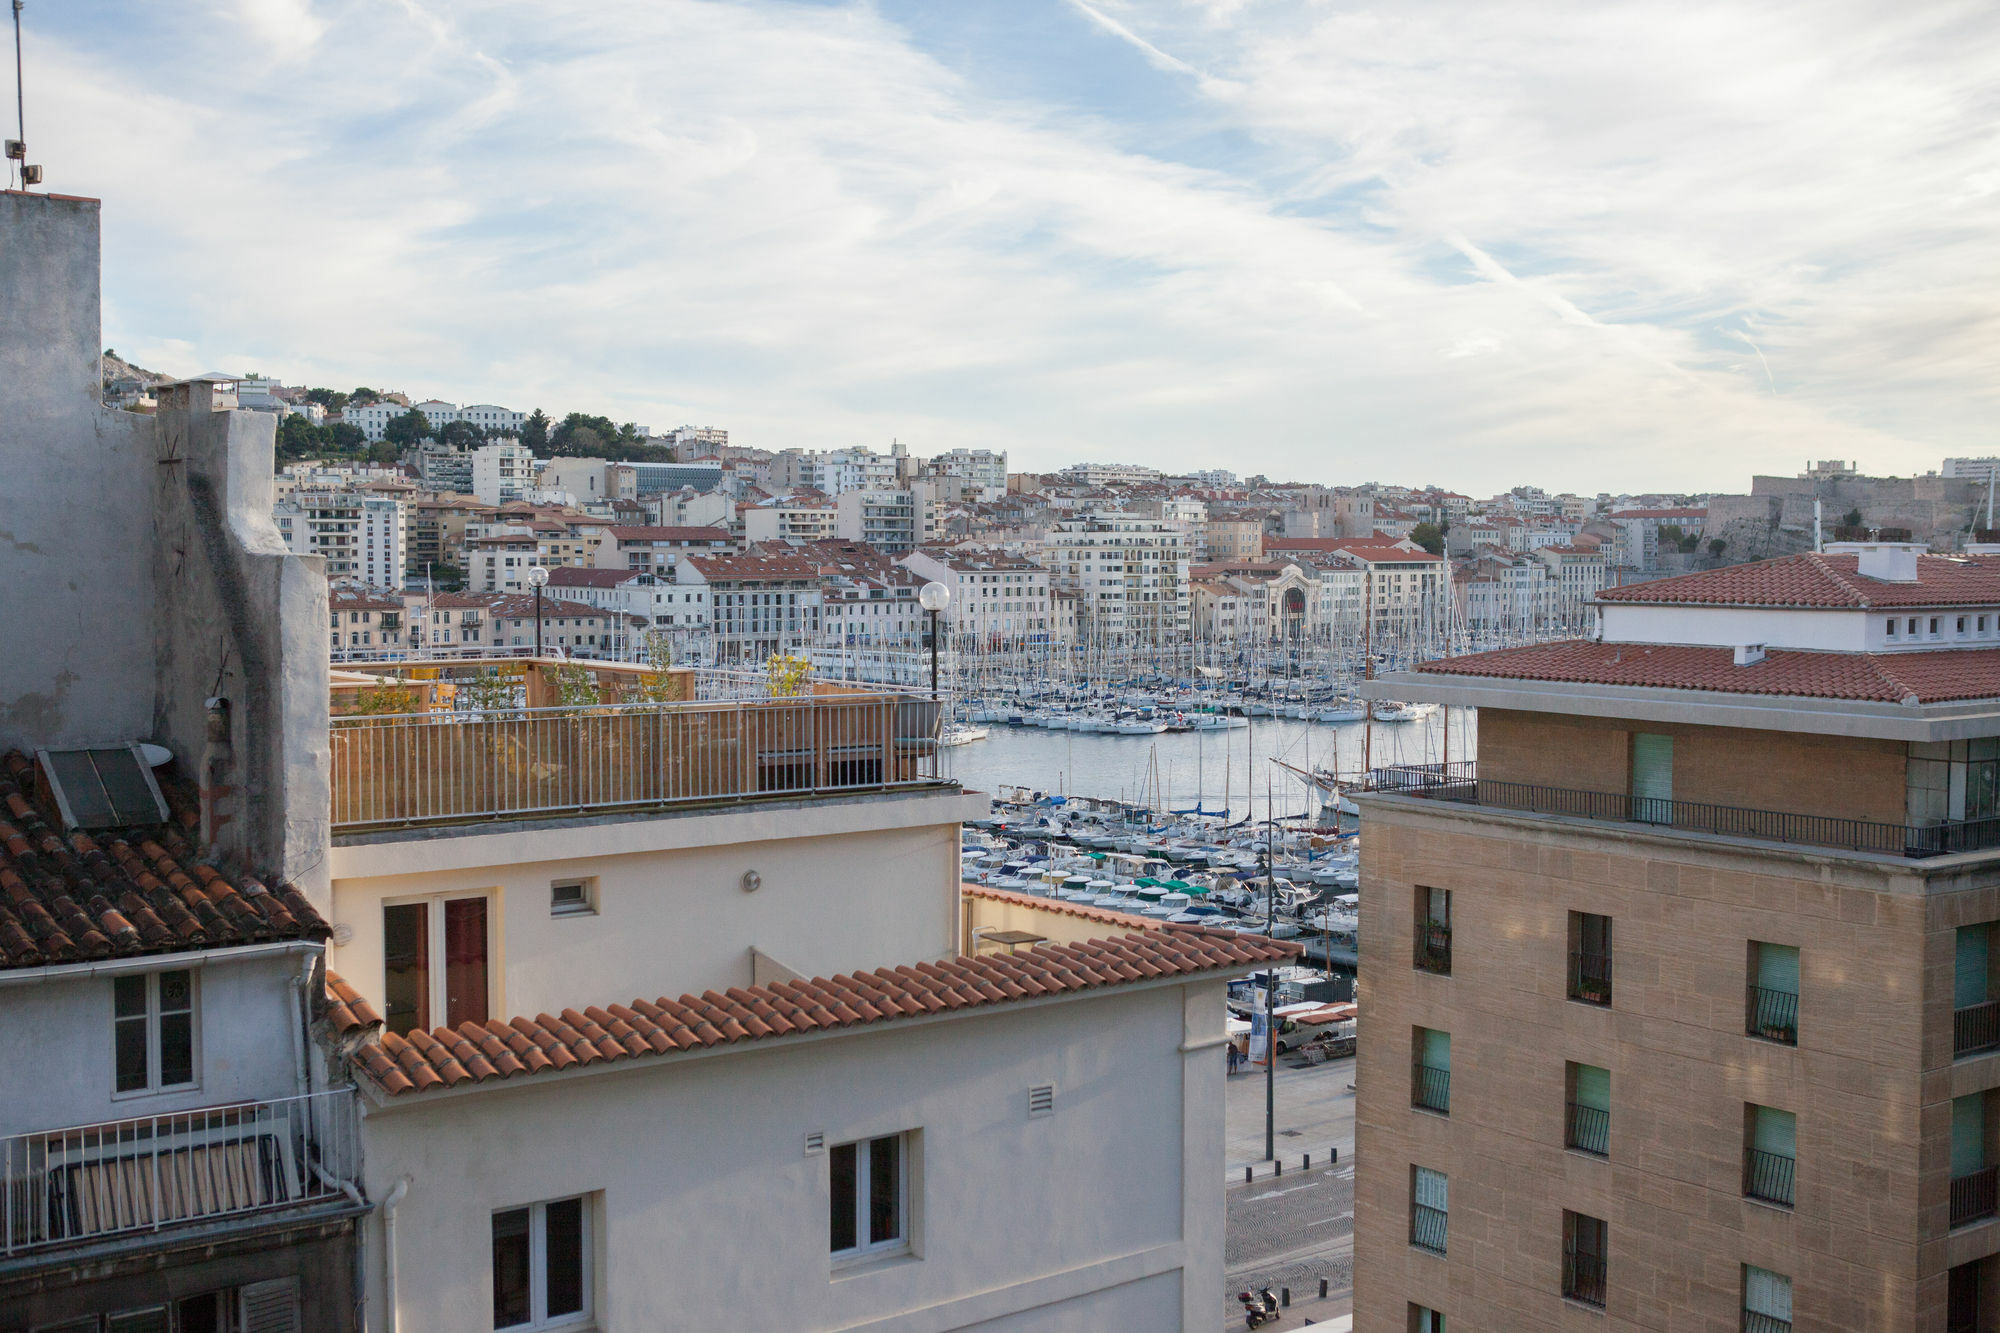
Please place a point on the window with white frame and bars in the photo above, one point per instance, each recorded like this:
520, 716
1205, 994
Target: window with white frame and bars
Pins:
542, 1265
869, 1197
153, 1031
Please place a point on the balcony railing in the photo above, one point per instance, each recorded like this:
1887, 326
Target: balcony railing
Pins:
1590, 977
1430, 1088
1975, 1196
1428, 1226
74, 1186
1434, 947
1768, 1176
1754, 1322
1590, 1129
1460, 781
439, 767
1975, 1028
1772, 1014
1583, 1276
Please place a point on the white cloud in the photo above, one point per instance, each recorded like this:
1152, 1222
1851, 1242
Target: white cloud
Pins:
1588, 246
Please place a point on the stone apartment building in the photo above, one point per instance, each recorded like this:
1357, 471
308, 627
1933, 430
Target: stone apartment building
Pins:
1679, 1007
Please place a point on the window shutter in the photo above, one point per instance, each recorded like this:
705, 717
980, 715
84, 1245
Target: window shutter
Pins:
1778, 968
1593, 1087
1432, 1190
1652, 776
1969, 978
1776, 1131
1968, 1134
269, 1307
1767, 1293
1437, 1049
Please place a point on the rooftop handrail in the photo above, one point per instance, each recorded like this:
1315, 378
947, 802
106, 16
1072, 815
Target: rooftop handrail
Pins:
148, 1173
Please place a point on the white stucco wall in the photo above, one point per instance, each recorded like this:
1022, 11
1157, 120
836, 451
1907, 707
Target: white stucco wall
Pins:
846, 885
1823, 631
56, 1038
711, 1214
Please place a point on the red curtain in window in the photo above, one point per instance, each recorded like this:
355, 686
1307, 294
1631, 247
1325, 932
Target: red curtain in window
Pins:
465, 961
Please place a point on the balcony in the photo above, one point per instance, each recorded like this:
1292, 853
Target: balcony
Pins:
1589, 1130
1768, 1176
1428, 1227
1753, 1322
1975, 1028
70, 1187
1460, 782
1434, 948
1976, 1196
723, 738
1430, 1088
1583, 1276
1772, 1014
1590, 977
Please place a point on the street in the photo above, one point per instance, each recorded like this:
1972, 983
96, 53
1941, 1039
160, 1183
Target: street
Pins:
1293, 1229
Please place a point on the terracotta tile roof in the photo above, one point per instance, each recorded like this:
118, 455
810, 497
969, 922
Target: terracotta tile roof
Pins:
1935, 677
123, 896
714, 536
477, 1052
573, 576
347, 1011
1127, 920
1823, 581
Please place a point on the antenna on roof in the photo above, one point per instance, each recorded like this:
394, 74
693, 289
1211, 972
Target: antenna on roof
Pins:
1818, 545
17, 149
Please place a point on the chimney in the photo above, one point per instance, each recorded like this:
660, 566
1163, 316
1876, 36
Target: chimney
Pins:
1749, 654
1885, 562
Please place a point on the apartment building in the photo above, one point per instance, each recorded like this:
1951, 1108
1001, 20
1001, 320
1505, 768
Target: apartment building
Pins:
894, 522
1504, 594
502, 472
1233, 539
979, 469
656, 550
1403, 584
646, 603
362, 537
374, 418
1679, 1009
793, 518
1255, 601
996, 599
759, 605
1578, 574
365, 623
1130, 575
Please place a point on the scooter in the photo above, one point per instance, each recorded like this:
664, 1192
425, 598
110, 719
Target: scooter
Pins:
1259, 1309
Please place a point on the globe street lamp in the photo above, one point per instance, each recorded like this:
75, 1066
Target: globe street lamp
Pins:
934, 598
537, 578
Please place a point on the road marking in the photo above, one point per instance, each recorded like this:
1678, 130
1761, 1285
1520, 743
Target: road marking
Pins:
1339, 1217
1272, 1194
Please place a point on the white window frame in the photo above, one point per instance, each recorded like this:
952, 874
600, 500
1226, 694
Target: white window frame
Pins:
438, 1001
152, 1021
538, 1266
865, 1251
586, 906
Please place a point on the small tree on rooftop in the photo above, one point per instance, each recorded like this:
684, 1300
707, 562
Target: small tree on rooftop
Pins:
785, 675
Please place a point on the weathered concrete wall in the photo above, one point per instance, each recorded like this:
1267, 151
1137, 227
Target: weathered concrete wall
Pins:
76, 496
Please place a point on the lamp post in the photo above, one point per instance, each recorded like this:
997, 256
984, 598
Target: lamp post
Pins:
934, 598
537, 579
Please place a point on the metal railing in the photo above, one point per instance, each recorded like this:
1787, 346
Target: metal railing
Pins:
1428, 1227
732, 741
72, 1186
1772, 1014
1590, 977
1589, 1129
1755, 1322
1768, 1176
1430, 1088
1433, 953
1583, 1276
1975, 1196
1975, 1028
1460, 781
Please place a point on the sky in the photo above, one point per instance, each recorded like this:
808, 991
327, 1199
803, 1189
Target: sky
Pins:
1596, 246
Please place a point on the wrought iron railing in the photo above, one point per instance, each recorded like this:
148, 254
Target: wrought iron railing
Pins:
1460, 781
1757, 1322
1975, 1196
1772, 1014
1428, 1227
732, 742
1430, 1088
1975, 1028
1434, 947
1590, 977
1768, 1176
72, 1186
1589, 1129
1583, 1276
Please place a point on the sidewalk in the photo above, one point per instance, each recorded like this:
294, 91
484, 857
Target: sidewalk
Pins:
1315, 1312
1315, 1114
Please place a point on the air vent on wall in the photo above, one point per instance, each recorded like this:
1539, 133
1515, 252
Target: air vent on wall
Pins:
815, 1142
110, 787
1041, 1100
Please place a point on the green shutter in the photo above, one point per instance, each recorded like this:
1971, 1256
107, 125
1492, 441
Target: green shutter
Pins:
1969, 976
1767, 1293
1652, 777
1776, 1131
1593, 1088
1437, 1049
1778, 968
1968, 1134
1432, 1189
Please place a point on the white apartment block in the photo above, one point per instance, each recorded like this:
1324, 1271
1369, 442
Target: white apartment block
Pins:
791, 520
1578, 575
893, 522
374, 418
364, 538
995, 599
982, 468
648, 603
1109, 474
1130, 575
502, 472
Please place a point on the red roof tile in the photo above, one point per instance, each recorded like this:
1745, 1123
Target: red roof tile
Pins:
1935, 677
1126, 920
1829, 582
126, 894
477, 1052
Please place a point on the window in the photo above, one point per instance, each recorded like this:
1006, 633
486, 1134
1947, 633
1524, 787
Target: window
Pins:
1430, 1209
152, 1029
1950, 781
869, 1196
1652, 778
416, 991
541, 1265
1584, 1258
1590, 957
1433, 938
573, 897
1423, 1319
1973, 1194
1774, 993
1588, 1125
1963, 1307
1975, 1019
1767, 1301
1430, 1070
1770, 1154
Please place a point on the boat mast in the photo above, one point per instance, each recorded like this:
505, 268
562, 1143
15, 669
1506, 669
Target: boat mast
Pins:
1367, 666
